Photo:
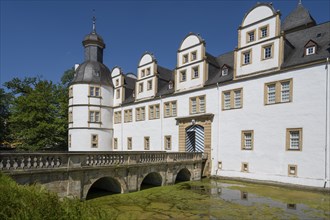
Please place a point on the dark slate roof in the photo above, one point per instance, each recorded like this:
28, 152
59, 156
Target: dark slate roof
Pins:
215, 73
164, 77
92, 72
93, 38
299, 18
320, 34
129, 85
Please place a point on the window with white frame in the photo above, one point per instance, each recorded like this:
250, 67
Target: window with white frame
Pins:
143, 73
94, 116
267, 52
294, 139
197, 104
246, 57
310, 50
251, 36
185, 58
193, 56
224, 71
148, 71
232, 99
117, 82
278, 92
264, 32
154, 111
247, 140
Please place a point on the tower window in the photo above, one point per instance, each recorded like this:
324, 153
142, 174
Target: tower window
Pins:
94, 116
94, 91
95, 141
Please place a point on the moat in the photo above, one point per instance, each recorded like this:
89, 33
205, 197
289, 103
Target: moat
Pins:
215, 199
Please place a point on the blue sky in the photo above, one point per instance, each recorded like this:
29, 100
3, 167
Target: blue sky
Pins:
44, 37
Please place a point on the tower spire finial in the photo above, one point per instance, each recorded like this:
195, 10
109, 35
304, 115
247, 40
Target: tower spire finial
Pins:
94, 21
299, 2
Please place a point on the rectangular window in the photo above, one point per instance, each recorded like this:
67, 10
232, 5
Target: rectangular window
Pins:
129, 143
183, 75
128, 115
146, 143
149, 85
224, 71
185, 58
117, 117
247, 140
140, 87
246, 57
267, 52
117, 82
140, 114
292, 170
94, 116
70, 117
263, 32
143, 73
278, 92
310, 50
168, 142
95, 141
70, 92
69, 140
193, 56
294, 139
197, 104
195, 72
115, 143
94, 91
170, 109
232, 99
251, 36
270, 93
148, 71
117, 93
154, 111
245, 167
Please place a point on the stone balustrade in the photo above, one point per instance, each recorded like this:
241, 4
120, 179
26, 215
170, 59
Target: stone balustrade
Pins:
33, 161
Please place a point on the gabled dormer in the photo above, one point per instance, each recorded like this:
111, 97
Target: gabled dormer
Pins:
260, 43
225, 70
310, 48
118, 82
191, 69
146, 84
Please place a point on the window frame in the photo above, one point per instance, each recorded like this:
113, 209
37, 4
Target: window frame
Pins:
117, 93
263, 51
231, 99
168, 139
140, 88
115, 143
146, 141
70, 117
198, 107
129, 143
94, 141
138, 114
181, 74
288, 139
128, 115
243, 63
94, 113
248, 36
185, 58
117, 117
193, 55
71, 92
307, 52
193, 76
243, 139
93, 90
224, 71
295, 170
149, 85
153, 115
245, 167
278, 91
261, 30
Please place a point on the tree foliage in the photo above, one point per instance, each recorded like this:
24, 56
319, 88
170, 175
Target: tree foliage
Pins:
38, 112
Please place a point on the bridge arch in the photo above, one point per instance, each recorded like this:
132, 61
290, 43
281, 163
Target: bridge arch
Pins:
106, 185
150, 180
183, 175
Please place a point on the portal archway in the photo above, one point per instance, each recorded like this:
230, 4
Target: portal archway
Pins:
151, 180
104, 186
195, 138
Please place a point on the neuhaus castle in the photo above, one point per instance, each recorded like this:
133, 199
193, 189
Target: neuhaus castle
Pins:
259, 112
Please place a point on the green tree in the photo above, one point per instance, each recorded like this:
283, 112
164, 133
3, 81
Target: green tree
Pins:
39, 112
5, 99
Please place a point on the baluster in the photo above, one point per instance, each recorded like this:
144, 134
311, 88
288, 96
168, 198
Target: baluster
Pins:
35, 164
8, 164
92, 160
47, 162
107, 159
58, 162
28, 163
52, 163
15, 165
41, 163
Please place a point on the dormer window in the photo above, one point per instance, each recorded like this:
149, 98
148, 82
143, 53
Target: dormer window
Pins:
224, 71
310, 48
263, 32
251, 36
170, 85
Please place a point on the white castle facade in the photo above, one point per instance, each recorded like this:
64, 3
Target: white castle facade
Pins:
259, 112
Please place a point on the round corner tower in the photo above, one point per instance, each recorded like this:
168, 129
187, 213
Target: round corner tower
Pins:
91, 100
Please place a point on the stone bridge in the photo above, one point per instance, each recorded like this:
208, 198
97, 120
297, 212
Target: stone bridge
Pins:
77, 174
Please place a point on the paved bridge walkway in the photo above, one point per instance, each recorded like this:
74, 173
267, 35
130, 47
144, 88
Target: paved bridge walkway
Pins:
78, 174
